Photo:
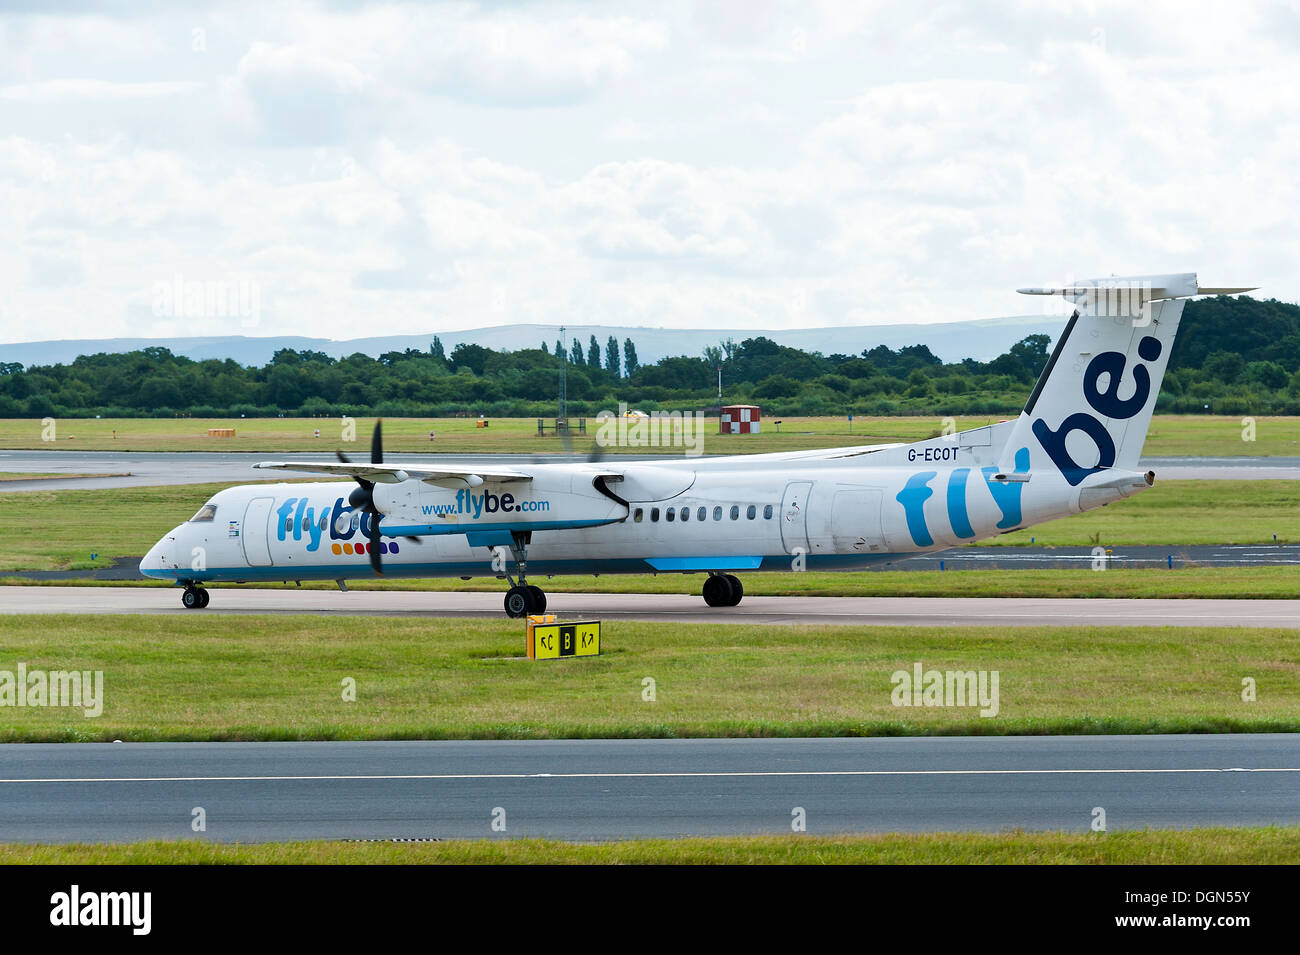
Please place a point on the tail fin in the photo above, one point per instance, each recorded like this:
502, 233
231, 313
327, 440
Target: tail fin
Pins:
1092, 406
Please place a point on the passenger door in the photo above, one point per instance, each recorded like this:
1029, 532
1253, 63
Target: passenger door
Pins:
794, 516
257, 518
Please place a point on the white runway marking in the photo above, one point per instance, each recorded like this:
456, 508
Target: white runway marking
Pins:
662, 775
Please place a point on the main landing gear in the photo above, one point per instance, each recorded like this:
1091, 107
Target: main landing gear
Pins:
194, 597
723, 590
522, 598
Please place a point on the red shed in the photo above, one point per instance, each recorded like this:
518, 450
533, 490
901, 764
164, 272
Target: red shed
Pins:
739, 419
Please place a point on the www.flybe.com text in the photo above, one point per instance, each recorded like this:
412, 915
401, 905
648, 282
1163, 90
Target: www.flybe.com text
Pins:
476, 505
298, 519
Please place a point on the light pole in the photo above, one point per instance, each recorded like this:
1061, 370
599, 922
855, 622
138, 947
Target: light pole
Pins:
562, 413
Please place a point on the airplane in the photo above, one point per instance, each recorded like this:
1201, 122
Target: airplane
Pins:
1074, 447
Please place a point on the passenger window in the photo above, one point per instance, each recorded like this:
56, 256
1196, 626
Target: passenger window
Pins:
767, 512
717, 513
669, 516
206, 513
735, 512
654, 513
637, 515
702, 513
751, 512
686, 513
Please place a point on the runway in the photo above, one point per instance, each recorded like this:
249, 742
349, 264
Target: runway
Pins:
974, 557
155, 468
933, 612
613, 789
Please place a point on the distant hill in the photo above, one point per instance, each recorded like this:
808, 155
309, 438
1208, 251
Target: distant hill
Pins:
981, 339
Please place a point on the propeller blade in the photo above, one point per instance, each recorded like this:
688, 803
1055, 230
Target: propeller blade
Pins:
373, 550
343, 458
377, 443
566, 439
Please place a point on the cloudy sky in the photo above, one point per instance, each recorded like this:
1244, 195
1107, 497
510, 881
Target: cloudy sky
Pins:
349, 169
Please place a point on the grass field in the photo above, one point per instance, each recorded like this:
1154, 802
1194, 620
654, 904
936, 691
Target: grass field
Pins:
1220, 846
280, 677
128, 521
1173, 435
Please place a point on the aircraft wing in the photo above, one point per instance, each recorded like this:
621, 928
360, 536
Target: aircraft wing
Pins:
397, 473
774, 457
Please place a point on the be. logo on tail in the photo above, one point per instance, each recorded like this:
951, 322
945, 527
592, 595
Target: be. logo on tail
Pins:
1106, 403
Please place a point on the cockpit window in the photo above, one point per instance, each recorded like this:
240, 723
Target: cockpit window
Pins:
206, 513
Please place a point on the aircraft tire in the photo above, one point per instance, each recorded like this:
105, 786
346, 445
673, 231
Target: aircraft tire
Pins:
519, 602
737, 590
204, 597
190, 599
539, 599
717, 591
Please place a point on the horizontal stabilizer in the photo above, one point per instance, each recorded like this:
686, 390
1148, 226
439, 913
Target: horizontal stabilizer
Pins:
1143, 288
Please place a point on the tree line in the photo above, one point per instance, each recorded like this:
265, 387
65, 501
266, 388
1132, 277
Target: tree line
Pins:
1232, 356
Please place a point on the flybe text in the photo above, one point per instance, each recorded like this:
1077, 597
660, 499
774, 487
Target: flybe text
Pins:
476, 505
299, 519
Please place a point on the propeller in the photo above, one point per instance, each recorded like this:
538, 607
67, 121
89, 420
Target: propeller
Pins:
597, 453
363, 496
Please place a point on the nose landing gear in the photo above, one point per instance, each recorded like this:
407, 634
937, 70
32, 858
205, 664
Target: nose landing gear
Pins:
522, 598
194, 597
723, 590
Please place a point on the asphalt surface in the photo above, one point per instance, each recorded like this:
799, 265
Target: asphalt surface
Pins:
933, 612
960, 558
613, 789
152, 468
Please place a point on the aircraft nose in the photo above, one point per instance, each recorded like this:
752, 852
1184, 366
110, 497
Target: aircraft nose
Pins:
151, 564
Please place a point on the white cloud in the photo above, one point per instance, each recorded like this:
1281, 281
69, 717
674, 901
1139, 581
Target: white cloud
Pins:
48, 91
405, 168
298, 96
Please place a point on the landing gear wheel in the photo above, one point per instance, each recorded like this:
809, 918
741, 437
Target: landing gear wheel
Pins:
737, 590
723, 590
717, 591
204, 597
539, 599
190, 599
519, 602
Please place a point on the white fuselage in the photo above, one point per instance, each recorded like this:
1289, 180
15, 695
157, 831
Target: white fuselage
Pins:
769, 512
